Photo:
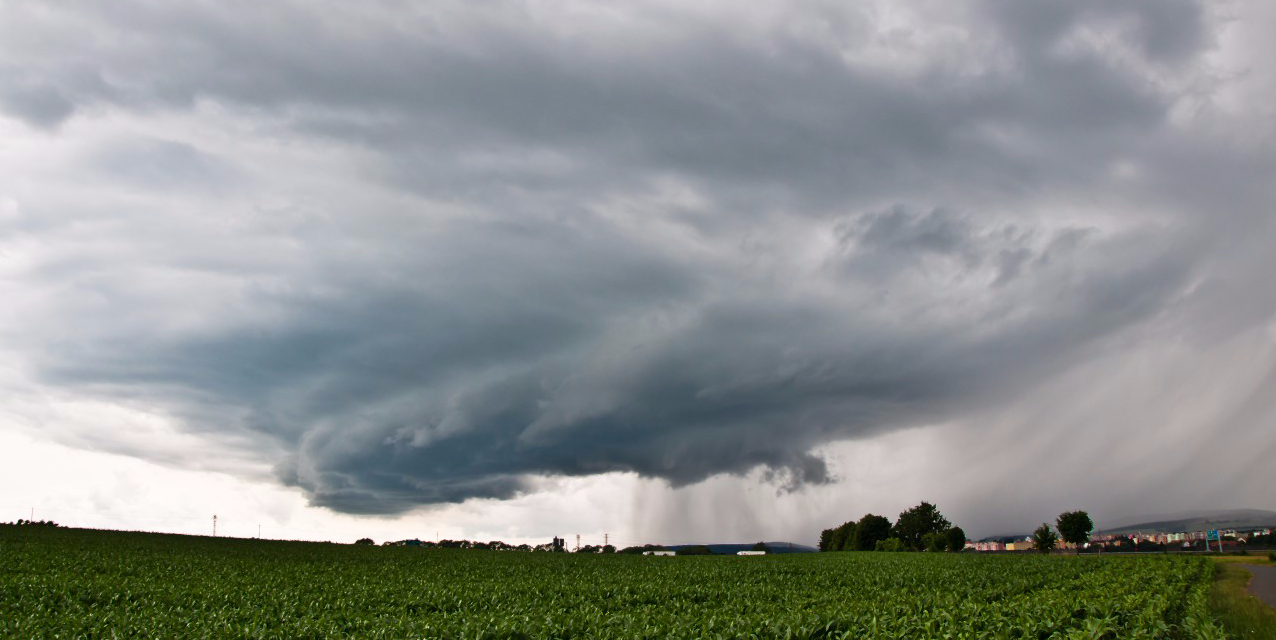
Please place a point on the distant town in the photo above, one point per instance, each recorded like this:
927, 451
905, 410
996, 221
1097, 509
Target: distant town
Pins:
1224, 540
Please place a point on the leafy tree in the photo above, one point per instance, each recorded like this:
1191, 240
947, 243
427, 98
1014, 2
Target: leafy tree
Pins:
826, 540
844, 536
870, 530
761, 546
1044, 538
367, 541
956, 539
917, 522
1075, 527
890, 544
935, 541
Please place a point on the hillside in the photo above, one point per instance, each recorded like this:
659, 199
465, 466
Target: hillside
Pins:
1198, 521
1242, 519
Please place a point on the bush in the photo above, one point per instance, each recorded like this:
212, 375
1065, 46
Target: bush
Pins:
1271, 555
890, 544
934, 541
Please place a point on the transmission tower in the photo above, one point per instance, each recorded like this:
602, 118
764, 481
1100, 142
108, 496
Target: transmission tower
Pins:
214, 525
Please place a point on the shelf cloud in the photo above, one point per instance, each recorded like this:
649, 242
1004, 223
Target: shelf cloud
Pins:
407, 255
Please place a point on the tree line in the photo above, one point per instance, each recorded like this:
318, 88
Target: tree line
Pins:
924, 528
921, 528
31, 523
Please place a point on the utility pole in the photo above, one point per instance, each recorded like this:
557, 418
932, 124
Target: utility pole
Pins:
214, 525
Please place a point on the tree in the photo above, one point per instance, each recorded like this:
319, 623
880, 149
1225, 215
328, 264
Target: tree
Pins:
364, 541
935, 541
956, 539
761, 546
826, 540
1075, 527
842, 536
917, 522
1044, 539
870, 530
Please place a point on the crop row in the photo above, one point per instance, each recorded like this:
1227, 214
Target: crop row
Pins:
87, 584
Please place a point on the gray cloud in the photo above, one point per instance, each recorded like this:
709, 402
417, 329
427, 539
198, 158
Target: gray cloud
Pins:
429, 255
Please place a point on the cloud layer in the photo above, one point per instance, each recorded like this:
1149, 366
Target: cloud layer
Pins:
411, 255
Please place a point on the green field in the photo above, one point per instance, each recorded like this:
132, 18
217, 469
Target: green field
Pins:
69, 583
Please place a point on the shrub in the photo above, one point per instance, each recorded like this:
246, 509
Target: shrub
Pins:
890, 544
934, 542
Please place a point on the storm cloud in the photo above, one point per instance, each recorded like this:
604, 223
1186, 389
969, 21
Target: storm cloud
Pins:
417, 254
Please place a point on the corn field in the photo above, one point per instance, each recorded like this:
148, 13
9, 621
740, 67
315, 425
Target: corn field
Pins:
68, 583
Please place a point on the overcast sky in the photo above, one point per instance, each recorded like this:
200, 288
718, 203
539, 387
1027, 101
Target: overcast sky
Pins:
673, 271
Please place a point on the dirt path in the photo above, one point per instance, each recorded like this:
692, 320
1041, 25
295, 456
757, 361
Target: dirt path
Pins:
1263, 585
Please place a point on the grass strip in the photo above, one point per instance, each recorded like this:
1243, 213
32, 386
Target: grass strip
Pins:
1241, 614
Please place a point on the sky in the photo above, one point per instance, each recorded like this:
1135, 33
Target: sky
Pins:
693, 271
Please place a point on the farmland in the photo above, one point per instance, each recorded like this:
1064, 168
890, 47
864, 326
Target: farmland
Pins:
71, 583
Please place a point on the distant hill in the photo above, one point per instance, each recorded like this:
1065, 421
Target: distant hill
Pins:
1181, 521
1198, 521
731, 549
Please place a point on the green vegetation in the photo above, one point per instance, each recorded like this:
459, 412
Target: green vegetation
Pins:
70, 583
922, 528
1075, 527
1241, 615
1044, 538
889, 544
915, 524
870, 530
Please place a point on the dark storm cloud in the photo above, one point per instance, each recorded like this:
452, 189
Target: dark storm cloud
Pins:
432, 253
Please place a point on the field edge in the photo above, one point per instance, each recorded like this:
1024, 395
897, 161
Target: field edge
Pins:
1240, 614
